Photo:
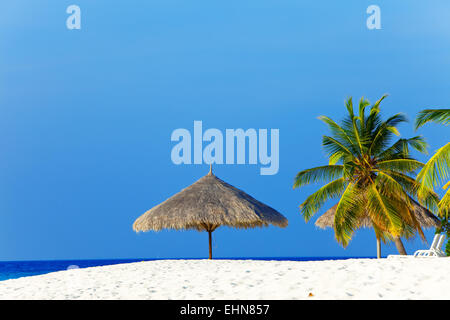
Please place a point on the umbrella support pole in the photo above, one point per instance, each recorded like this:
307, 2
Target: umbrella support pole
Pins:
378, 248
210, 246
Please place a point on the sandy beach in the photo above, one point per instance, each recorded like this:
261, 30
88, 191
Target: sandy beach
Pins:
410, 278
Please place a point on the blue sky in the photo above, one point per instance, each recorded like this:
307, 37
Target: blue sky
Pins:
86, 115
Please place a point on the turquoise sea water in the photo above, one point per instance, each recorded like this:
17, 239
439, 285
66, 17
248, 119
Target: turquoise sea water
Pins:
18, 269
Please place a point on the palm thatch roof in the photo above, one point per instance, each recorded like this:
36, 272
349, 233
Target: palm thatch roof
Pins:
206, 205
422, 214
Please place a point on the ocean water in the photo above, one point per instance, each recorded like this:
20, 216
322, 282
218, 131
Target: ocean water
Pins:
18, 269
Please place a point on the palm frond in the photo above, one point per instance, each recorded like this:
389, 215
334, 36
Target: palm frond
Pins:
399, 200
390, 186
444, 205
381, 233
315, 201
400, 165
436, 170
363, 104
348, 211
446, 185
313, 175
333, 146
349, 105
433, 115
400, 149
384, 132
376, 105
427, 198
382, 211
418, 143
339, 133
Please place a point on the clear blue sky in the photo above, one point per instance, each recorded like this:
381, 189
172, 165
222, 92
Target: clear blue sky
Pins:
86, 115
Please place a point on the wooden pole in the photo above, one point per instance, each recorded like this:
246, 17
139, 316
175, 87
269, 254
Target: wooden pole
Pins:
210, 247
378, 248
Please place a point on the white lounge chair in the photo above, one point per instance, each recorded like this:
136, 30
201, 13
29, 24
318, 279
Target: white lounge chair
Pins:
435, 249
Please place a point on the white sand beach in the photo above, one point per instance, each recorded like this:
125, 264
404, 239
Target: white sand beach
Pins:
409, 278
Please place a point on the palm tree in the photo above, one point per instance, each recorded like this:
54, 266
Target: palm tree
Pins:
437, 170
369, 174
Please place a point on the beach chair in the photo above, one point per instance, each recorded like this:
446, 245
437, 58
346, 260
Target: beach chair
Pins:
435, 249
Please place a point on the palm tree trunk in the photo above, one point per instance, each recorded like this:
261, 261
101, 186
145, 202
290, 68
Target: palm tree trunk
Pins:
378, 249
399, 244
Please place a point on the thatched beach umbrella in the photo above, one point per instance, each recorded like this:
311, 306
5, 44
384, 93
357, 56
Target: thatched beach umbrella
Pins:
425, 218
206, 205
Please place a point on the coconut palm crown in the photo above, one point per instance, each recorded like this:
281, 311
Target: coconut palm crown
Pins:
369, 173
437, 170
